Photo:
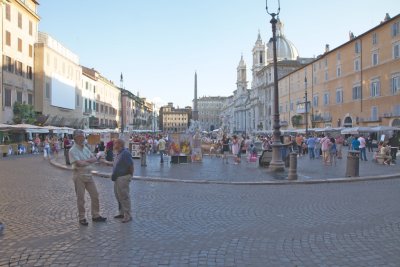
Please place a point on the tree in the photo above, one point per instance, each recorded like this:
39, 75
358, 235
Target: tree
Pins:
24, 113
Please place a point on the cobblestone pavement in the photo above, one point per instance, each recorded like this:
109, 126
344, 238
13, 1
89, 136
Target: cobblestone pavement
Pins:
176, 224
215, 170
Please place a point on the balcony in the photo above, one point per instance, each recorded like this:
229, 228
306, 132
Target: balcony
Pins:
301, 108
370, 119
321, 118
88, 112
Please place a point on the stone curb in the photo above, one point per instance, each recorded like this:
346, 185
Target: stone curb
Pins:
278, 182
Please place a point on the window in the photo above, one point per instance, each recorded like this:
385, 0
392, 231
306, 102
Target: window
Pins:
18, 68
357, 64
19, 45
77, 100
338, 71
339, 96
7, 97
326, 98
19, 20
86, 105
374, 38
8, 12
29, 72
30, 28
30, 51
8, 38
47, 90
375, 88
356, 92
375, 58
396, 50
338, 56
30, 99
357, 47
395, 29
87, 85
315, 101
19, 97
326, 62
374, 113
326, 75
8, 64
395, 83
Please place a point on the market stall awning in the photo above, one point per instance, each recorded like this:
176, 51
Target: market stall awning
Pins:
357, 130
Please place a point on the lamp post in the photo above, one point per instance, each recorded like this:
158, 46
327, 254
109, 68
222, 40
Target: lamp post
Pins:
276, 164
306, 103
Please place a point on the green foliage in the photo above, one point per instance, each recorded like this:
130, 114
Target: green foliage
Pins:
296, 120
24, 113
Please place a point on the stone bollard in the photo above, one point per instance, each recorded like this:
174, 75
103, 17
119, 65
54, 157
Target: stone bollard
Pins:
293, 167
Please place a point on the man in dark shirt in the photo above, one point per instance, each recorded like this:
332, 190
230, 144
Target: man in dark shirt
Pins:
394, 145
122, 176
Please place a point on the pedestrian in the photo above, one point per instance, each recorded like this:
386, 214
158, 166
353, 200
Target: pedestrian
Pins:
37, 144
46, 148
82, 159
394, 146
369, 143
363, 154
333, 151
122, 175
311, 146
225, 148
317, 148
339, 146
109, 151
355, 144
143, 152
67, 147
236, 149
161, 149
325, 147
299, 142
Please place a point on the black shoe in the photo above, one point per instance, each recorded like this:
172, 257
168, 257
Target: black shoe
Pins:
99, 219
83, 222
120, 216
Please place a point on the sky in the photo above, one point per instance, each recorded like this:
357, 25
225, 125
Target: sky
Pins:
158, 45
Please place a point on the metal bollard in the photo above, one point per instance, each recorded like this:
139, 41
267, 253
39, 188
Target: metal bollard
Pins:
293, 167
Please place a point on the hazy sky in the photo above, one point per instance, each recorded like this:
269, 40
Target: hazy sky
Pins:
159, 44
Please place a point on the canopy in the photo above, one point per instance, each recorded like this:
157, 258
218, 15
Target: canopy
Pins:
357, 130
29, 128
385, 128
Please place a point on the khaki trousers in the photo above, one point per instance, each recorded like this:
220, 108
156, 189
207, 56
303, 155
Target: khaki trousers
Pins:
85, 182
121, 190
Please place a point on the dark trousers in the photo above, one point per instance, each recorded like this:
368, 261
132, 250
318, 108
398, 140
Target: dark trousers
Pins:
66, 155
393, 152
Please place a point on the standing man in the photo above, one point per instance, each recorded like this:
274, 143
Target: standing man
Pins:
311, 146
81, 159
161, 149
363, 147
67, 147
122, 176
339, 145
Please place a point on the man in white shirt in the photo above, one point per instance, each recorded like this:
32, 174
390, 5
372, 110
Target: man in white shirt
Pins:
363, 154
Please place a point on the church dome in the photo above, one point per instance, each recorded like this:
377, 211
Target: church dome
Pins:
285, 49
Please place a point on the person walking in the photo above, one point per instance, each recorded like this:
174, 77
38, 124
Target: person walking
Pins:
369, 143
161, 149
325, 145
122, 175
317, 148
339, 141
236, 149
46, 148
363, 154
81, 159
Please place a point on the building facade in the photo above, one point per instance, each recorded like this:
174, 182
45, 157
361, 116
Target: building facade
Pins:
138, 112
174, 120
209, 112
19, 20
57, 83
355, 84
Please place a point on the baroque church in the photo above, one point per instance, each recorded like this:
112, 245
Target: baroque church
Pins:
251, 110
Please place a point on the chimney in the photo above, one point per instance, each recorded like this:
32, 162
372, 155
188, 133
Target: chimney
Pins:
326, 48
387, 17
351, 35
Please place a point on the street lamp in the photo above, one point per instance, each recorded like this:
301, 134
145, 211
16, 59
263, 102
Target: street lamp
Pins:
306, 102
276, 164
